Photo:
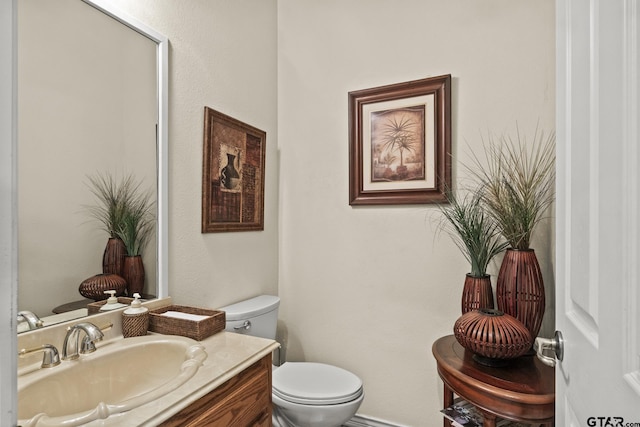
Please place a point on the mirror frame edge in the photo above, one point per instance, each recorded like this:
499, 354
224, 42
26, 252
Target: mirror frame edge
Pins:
162, 52
8, 211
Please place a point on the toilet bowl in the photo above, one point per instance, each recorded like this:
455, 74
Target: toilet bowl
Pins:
314, 395
304, 394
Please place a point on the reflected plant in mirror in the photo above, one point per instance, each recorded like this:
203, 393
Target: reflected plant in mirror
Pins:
125, 210
137, 224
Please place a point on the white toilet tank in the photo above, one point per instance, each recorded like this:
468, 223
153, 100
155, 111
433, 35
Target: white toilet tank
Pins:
256, 316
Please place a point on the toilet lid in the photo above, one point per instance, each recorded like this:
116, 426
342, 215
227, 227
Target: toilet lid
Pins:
315, 384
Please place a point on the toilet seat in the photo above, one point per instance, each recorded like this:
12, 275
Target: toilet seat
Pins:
315, 384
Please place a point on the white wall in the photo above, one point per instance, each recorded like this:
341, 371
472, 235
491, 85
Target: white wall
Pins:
222, 55
371, 288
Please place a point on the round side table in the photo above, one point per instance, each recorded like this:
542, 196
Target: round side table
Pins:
522, 391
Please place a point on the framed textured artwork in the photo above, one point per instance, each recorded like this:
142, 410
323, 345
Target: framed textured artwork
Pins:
232, 174
400, 143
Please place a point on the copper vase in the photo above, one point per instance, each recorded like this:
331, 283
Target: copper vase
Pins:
520, 288
113, 257
476, 293
133, 273
493, 336
94, 287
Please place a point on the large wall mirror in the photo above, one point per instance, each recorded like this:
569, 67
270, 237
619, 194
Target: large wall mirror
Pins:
92, 99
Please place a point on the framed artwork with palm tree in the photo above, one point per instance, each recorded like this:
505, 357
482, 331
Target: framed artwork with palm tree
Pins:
400, 143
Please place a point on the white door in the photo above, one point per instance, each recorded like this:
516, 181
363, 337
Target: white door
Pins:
598, 212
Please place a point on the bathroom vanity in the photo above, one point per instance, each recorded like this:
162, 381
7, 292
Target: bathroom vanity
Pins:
232, 386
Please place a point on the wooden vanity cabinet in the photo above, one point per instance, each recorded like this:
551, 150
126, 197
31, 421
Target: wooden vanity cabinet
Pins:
244, 400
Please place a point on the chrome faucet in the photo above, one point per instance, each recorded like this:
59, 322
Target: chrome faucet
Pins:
72, 339
50, 357
32, 320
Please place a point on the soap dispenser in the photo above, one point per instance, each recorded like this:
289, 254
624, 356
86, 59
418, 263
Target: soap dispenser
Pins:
135, 319
112, 302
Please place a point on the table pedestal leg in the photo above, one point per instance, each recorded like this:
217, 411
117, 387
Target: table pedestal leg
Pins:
448, 401
489, 420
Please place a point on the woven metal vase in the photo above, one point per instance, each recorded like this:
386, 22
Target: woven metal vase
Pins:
493, 336
476, 293
520, 288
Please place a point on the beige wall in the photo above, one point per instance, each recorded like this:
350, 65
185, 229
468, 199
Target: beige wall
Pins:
371, 288
222, 55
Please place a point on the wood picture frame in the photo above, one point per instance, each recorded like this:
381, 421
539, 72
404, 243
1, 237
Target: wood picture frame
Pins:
400, 143
232, 174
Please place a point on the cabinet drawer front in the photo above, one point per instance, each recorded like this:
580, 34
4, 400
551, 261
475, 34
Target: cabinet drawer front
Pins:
242, 407
243, 401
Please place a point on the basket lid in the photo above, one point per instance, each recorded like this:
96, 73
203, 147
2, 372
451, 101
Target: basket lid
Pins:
251, 308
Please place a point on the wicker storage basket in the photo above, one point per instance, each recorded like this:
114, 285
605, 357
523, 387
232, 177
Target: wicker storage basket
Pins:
197, 330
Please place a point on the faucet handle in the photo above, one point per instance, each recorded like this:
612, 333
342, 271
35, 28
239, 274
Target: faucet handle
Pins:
50, 356
88, 345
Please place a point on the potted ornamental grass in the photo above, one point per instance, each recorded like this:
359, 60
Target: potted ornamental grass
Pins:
517, 186
478, 237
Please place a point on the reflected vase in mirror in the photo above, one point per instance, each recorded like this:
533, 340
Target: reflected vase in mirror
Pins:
133, 273
113, 258
95, 286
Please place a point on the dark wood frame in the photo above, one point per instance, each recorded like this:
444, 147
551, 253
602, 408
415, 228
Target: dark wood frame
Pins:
438, 87
238, 206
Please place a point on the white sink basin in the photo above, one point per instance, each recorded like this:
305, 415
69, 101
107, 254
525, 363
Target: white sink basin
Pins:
117, 377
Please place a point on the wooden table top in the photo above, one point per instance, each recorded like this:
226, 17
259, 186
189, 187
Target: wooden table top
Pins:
523, 390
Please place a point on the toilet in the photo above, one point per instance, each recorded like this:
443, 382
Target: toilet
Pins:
304, 394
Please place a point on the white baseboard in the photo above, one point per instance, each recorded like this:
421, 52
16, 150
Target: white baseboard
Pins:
363, 421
